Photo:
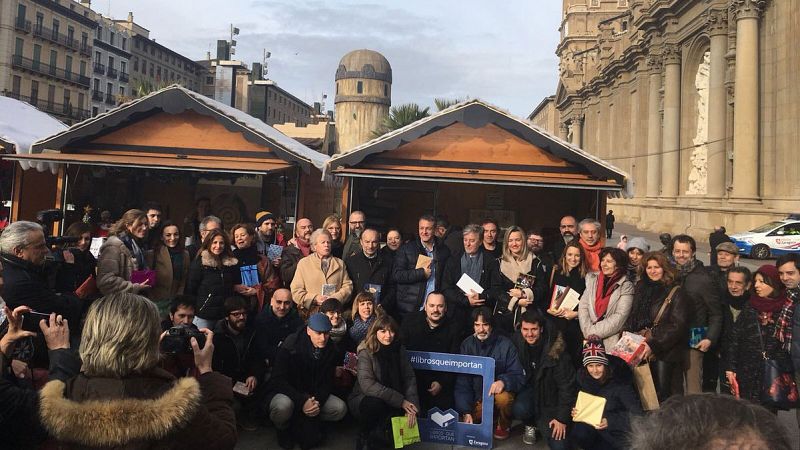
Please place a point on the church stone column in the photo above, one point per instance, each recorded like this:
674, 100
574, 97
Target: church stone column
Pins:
745, 115
717, 103
563, 130
671, 156
577, 131
654, 127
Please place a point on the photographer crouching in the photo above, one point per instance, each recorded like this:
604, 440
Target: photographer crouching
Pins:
123, 399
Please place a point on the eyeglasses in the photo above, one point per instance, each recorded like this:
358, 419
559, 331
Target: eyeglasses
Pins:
238, 314
356, 222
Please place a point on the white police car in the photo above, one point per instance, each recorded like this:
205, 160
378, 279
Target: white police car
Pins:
771, 239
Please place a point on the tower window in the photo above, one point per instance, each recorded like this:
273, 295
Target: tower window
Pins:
385, 90
360, 87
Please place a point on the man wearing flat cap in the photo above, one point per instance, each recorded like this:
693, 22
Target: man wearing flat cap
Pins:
301, 384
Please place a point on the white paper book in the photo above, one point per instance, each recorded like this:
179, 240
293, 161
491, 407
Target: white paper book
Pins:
466, 283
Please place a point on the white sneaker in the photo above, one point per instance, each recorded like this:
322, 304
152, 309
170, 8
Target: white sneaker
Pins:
529, 436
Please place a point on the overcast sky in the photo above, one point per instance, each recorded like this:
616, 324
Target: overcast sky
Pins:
501, 52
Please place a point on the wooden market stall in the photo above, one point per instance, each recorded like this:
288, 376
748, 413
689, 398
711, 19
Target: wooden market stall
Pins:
176, 146
473, 161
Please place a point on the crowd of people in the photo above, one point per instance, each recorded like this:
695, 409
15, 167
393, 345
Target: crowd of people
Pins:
180, 341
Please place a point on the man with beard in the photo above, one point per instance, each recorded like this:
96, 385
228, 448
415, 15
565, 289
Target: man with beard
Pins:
414, 284
590, 238
267, 233
737, 293
370, 269
508, 374
236, 356
567, 229
535, 244
430, 331
297, 248
356, 222
706, 317
490, 244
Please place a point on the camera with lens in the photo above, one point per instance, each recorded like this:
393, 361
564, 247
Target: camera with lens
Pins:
46, 219
177, 339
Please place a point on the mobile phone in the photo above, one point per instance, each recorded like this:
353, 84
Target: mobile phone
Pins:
30, 320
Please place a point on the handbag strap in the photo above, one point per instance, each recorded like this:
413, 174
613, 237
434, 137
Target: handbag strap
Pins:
553, 274
761, 340
664, 306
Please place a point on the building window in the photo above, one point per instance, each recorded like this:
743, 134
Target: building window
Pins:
385, 90
70, 34
110, 62
94, 111
594, 3
51, 94
67, 98
158, 73
55, 29
135, 64
360, 87
21, 11
37, 53
136, 44
81, 99
98, 57
122, 91
124, 43
123, 66
16, 84
39, 22
111, 37
53, 59
84, 41
68, 64
83, 68
99, 33
96, 84
209, 80
109, 89
34, 92
19, 46
152, 69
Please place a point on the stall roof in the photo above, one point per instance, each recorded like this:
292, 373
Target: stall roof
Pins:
475, 142
22, 124
83, 143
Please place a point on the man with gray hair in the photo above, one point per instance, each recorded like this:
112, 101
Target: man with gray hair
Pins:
473, 261
320, 276
590, 236
25, 279
208, 224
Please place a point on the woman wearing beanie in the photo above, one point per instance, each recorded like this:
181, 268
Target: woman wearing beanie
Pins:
616, 386
753, 336
659, 314
636, 249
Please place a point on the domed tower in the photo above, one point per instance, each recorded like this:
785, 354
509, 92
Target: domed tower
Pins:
363, 97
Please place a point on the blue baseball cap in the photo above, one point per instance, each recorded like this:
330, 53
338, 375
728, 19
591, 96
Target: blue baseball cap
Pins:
320, 323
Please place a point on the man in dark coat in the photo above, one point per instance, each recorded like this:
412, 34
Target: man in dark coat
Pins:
414, 284
714, 239
508, 374
610, 219
706, 310
368, 266
472, 260
431, 331
275, 323
727, 256
568, 230
301, 385
356, 224
549, 393
449, 234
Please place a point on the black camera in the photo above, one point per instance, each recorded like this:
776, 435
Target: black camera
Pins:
46, 219
177, 339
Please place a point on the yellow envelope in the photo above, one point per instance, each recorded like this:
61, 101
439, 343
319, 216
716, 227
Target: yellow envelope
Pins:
590, 409
423, 261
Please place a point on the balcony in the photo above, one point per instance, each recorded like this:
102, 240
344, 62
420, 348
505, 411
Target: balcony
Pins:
86, 50
22, 25
20, 62
97, 96
123, 77
112, 72
111, 100
99, 68
67, 111
55, 37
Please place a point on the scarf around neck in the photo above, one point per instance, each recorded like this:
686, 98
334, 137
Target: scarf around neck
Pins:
592, 253
515, 267
136, 251
685, 269
358, 331
605, 287
783, 326
648, 293
767, 304
337, 333
303, 246
389, 361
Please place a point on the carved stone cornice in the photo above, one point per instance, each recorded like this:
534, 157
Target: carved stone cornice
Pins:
717, 22
576, 119
747, 9
671, 54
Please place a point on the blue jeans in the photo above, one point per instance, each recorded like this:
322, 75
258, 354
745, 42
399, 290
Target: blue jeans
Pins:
524, 409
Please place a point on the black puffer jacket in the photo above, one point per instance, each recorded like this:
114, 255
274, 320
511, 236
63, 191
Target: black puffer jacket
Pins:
211, 283
410, 281
554, 381
298, 375
705, 309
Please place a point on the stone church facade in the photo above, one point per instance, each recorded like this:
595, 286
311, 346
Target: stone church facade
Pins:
698, 100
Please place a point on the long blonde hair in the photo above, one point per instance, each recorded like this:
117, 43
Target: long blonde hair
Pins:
507, 256
330, 220
120, 336
130, 217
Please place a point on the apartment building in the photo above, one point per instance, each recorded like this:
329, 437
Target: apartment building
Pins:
274, 105
153, 65
110, 65
45, 55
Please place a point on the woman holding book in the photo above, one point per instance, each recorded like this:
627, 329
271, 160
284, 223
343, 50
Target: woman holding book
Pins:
212, 277
386, 385
659, 313
259, 277
607, 300
121, 256
614, 388
171, 262
753, 338
569, 273
519, 270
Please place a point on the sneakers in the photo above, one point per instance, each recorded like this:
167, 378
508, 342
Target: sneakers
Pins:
529, 436
500, 433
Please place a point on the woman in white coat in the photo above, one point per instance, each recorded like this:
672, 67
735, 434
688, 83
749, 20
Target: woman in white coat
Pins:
608, 298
